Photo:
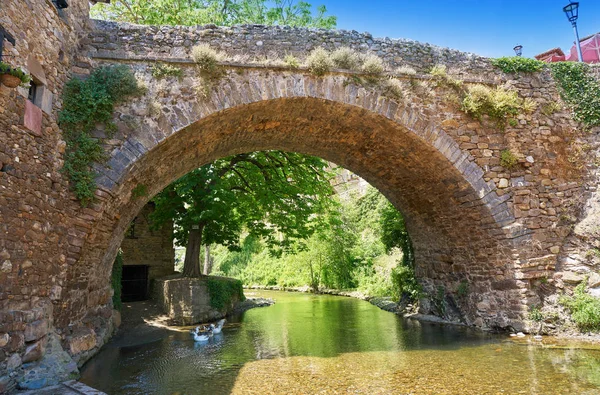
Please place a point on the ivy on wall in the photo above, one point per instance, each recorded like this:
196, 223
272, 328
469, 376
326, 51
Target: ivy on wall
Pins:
578, 88
89, 104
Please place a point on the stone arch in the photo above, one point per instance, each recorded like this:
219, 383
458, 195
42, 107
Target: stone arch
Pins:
457, 220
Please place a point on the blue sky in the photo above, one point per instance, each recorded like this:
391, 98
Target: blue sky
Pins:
486, 27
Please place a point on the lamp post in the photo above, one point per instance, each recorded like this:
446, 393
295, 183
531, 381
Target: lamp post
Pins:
571, 10
518, 50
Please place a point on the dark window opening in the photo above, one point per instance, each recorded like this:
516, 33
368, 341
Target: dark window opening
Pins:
130, 233
134, 283
60, 4
33, 92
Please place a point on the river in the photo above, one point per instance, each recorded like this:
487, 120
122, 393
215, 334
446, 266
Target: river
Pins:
308, 344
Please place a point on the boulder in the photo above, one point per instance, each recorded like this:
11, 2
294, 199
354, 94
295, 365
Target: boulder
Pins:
14, 362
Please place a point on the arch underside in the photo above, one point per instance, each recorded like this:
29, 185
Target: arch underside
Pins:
455, 235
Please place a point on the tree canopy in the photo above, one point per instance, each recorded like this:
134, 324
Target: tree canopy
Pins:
271, 194
219, 12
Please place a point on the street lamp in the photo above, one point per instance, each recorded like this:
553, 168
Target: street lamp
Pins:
518, 50
572, 14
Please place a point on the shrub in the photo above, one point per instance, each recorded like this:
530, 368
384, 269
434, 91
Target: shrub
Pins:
404, 282
584, 308
346, 58
291, 61
163, 70
497, 103
535, 314
393, 89
319, 61
550, 108
513, 122
373, 64
206, 58
507, 159
441, 77
515, 64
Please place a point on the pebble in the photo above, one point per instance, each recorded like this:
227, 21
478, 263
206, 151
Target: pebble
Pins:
538, 338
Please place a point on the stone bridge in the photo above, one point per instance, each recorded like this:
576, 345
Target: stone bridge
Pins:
507, 232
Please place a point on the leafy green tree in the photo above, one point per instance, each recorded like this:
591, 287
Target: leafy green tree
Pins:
271, 194
219, 12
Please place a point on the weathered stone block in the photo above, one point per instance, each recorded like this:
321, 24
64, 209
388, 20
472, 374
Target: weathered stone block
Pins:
34, 351
81, 340
36, 330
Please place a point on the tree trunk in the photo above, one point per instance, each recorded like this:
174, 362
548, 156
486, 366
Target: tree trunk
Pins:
207, 260
191, 264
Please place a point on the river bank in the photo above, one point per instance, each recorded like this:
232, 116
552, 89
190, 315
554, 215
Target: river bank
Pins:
560, 336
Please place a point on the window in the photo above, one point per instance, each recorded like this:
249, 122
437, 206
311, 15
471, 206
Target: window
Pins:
60, 4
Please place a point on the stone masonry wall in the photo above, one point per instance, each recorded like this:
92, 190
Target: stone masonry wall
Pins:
149, 246
42, 227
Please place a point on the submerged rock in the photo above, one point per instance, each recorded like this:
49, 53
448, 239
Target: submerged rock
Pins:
251, 303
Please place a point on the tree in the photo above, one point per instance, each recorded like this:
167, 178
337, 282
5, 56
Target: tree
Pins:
219, 12
271, 194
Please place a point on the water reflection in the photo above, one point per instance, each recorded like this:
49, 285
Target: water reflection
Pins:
306, 343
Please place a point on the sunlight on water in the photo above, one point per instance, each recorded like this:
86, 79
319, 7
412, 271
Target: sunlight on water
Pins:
307, 344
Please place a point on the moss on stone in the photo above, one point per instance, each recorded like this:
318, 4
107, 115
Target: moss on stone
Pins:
223, 290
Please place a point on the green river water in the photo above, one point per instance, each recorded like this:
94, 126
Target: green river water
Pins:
307, 344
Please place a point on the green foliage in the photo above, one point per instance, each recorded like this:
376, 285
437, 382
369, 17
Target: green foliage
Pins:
579, 89
164, 70
219, 12
515, 64
463, 289
405, 283
319, 61
535, 314
498, 103
346, 58
513, 122
87, 104
207, 59
439, 301
116, 276
274, 195
441, 78
550, 108
139, 191
508, 160
584, 308
6, 69
291, 61
223, 290
346, 251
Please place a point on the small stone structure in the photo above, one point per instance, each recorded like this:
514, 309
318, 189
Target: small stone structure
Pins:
186, 301
145, 246
514, 235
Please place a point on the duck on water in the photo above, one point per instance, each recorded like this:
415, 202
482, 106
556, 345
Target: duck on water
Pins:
203, 332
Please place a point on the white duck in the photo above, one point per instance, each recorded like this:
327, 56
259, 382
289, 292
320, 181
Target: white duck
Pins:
217, 329
201, 335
